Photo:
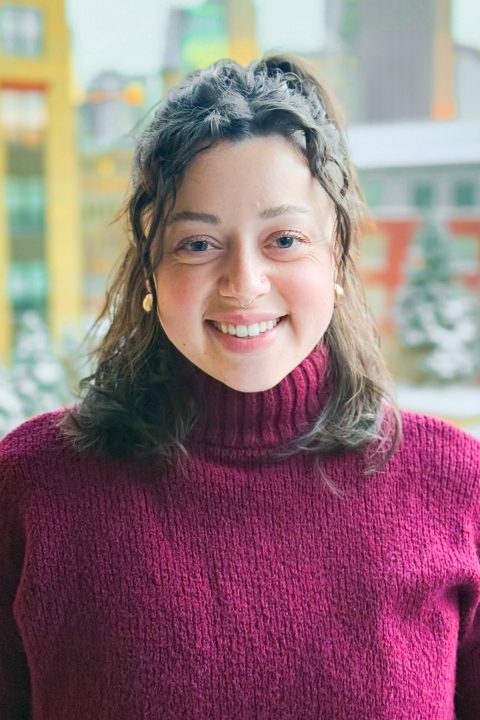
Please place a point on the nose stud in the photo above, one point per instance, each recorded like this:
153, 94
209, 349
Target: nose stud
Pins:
245, 306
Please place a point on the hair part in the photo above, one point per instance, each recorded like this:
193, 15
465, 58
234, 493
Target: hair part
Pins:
134, 404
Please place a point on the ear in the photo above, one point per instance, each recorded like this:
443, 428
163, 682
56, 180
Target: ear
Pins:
334, 266
147, 283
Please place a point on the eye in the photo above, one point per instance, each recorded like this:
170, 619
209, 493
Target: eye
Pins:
197, 250
287, 240
195, 245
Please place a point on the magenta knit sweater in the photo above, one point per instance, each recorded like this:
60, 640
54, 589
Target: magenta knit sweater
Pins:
240, 588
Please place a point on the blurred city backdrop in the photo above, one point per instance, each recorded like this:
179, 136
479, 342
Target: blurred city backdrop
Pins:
78, 81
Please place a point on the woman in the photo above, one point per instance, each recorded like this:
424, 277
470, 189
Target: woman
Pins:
236, 521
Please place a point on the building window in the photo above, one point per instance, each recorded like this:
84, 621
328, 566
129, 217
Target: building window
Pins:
373, 192
423, 195
464, 193
25, 205
21, 31
23, 115
28, 283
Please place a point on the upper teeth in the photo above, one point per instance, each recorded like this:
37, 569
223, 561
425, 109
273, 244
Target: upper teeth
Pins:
246, 330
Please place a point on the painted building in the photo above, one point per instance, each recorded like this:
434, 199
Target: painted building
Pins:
201, 34
115, 108
406, 171
104, 181
388, 60
40, 255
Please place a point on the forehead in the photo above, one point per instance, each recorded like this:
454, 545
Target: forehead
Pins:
259, 170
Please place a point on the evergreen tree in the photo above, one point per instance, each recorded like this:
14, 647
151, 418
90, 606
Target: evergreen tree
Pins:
434, 312
39, 379
11, 410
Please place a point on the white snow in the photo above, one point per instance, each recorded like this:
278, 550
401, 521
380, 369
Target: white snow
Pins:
459, 401
459, 404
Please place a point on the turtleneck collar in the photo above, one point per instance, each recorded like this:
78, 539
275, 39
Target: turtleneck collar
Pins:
260, 420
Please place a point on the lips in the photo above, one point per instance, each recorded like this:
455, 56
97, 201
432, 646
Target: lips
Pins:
246, 333
250, 318
242, 331
246, 338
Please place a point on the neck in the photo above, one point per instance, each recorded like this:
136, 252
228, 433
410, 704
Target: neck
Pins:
261, 420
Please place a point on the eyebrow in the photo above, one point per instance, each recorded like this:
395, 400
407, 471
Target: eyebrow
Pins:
191, 215
215, 220
283, 210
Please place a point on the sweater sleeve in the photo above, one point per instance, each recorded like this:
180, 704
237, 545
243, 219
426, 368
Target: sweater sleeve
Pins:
14, 677
467, 689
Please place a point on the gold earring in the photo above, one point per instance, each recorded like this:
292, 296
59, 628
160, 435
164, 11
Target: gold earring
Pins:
148, 302
338, 291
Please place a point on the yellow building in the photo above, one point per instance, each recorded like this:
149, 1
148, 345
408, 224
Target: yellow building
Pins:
105, 177
40, 253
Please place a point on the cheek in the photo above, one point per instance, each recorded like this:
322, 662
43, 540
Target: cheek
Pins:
179, 293
310, 290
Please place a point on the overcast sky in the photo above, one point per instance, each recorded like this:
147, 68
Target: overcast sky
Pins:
130, 36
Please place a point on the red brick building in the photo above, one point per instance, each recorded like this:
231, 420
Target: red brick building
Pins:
409, 170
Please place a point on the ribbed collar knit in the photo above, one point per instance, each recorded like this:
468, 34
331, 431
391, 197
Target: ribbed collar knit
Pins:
260, 420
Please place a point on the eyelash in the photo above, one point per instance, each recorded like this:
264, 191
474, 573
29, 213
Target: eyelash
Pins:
290, 234
184, 245
286, 233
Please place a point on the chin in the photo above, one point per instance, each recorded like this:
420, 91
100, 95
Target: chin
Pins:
249, 384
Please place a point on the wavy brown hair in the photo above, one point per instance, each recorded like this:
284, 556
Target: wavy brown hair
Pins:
134, 403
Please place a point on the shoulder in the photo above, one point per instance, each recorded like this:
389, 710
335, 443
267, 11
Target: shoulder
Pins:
30, 445
33, 436
432, 433
436, 446
38, 454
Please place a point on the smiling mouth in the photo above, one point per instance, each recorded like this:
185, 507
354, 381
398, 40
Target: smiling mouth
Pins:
247, 331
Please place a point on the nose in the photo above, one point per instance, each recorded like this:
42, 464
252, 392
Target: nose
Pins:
245, 276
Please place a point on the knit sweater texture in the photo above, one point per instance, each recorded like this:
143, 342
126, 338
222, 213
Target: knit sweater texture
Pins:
238, 587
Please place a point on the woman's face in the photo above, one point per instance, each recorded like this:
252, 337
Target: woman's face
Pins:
250, 226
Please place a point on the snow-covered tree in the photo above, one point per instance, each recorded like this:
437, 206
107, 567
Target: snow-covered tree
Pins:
39, 379
11, 410
434, 312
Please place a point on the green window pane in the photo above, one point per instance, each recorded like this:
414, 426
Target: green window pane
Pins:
25, 205
464, 193
27, 282
21, 159
423, 195
373, 193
